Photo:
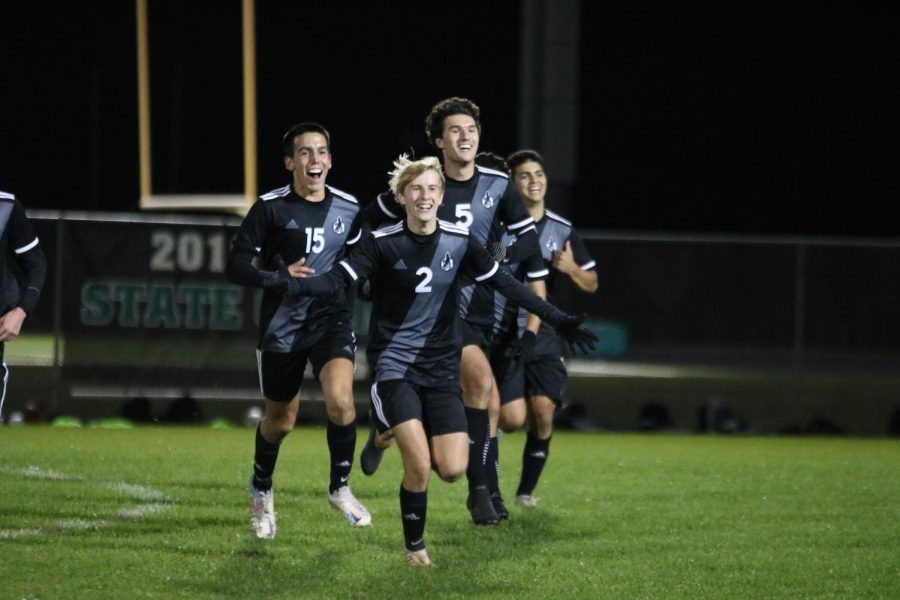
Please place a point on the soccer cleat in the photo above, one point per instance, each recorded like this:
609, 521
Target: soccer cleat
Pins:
527, 500
481, 508
344, 501
262, 512
419, 558
499, 506
371, 455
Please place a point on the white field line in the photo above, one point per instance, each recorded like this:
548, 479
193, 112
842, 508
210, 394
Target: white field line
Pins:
152, 501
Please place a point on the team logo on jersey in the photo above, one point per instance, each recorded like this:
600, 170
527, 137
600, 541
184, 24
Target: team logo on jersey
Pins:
447, 262
551, 245
338, 226
487, 200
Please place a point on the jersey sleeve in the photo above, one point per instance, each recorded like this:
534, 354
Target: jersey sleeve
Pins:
247, 245
527, 246
384, 209
513, 213
533, 267
477, 263
358, 266
29, 256
519, 294
580, 253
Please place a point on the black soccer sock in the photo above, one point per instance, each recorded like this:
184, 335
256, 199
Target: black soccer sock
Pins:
533, 459
264, 459
492, 468
341, 446
477, 419
413, 508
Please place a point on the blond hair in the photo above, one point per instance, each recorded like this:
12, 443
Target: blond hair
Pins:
405, 170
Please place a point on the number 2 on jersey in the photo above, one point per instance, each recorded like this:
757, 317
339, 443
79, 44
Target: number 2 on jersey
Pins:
423, 287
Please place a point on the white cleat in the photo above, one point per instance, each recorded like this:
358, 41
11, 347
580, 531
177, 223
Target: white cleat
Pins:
344, 501
262, 513
527, 500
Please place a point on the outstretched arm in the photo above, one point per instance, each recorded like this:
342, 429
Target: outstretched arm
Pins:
324, 285
568, 326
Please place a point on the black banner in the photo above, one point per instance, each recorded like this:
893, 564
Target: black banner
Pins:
153, 295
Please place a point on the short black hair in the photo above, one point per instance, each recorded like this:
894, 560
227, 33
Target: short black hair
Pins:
287, 142
491, 161
522, 156
434, 122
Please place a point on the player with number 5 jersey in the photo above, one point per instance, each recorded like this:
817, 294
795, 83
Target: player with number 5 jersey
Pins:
482, 201
414, 345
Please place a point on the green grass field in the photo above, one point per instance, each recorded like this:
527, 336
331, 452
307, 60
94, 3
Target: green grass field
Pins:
158, 512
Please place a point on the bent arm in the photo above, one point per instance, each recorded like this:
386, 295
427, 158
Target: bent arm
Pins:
240, 270
34, 272
585, 280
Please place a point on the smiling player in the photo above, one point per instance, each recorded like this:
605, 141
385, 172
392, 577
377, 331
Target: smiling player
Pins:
413, 349
307, 222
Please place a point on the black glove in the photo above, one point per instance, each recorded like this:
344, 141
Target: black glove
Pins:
498, 252
281, 279
571, 329
526, 347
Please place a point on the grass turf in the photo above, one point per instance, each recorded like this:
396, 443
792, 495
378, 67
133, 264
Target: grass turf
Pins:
160, 512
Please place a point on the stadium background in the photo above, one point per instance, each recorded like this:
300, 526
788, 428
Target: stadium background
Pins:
685, 140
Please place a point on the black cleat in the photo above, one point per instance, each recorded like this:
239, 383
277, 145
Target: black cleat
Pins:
481, 508
371, 455
499, 506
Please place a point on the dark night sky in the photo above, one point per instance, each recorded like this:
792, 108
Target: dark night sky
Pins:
721, 120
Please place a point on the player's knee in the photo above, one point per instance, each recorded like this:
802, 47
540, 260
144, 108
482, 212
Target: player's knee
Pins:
450, 473
509, 424
341, 411
416, 472
543, 426
279, 426
477, 392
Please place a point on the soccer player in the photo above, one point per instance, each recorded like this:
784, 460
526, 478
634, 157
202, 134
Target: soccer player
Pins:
478, 199
307, 222
538, 374
413, 345
18, 297
504, 352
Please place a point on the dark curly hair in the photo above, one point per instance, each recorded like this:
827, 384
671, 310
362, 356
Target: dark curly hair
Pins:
434, 122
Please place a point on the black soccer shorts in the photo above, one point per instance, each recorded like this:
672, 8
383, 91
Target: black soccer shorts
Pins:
477, 335
506, 364
439, 409
281, 373
547, 377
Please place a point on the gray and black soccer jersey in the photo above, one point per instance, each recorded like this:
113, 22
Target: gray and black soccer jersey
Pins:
414, 332
506, 325
478, 205
553, 233
281, 223
20, 244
